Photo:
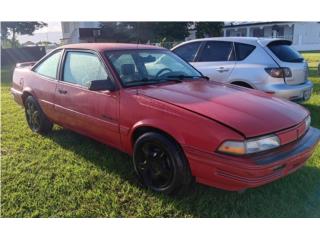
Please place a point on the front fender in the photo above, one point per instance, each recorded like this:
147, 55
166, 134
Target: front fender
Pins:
151, 123
28, 91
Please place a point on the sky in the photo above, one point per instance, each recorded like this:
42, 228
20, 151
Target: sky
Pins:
51, 33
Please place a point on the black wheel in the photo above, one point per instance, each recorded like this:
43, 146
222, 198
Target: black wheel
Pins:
37, 120
160, 163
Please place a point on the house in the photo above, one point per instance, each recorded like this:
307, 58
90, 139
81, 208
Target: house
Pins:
29, 44
77, 32
305, 36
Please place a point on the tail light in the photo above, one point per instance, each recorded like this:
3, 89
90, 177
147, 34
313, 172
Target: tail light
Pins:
282, 72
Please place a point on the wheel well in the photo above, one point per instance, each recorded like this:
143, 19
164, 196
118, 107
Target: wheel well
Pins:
242, 84
24, 96
141, 130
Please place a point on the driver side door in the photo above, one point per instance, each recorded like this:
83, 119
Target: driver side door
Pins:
93, 113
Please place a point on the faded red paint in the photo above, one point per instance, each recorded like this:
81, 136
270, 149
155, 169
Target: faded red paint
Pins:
199, 115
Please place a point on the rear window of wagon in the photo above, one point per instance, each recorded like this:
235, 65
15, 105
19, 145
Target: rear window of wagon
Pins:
284, 52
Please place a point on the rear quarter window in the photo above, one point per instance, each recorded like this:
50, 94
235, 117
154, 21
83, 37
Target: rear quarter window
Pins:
284, 52
243, 50
49, 66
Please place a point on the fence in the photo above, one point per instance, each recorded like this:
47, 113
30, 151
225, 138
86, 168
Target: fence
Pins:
167, 45
12, 56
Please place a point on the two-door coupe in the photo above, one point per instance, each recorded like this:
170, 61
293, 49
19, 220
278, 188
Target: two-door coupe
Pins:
151, 104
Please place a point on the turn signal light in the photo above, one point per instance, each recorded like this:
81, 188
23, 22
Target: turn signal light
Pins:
250, 146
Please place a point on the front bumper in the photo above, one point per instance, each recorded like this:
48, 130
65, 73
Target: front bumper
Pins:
301, 92
238, 173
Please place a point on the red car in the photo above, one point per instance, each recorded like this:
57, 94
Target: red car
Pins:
149, 103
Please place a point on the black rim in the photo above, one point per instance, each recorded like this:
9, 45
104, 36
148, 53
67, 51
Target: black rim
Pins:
154, 165
33, 116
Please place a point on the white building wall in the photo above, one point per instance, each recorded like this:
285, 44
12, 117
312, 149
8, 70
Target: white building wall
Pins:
306, 36
70, 30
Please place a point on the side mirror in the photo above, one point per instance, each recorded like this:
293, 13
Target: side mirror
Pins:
102, 85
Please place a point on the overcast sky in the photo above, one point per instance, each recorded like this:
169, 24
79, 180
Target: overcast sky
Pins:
52, 33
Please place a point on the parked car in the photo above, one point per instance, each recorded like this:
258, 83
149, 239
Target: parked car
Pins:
177, 125
270, 65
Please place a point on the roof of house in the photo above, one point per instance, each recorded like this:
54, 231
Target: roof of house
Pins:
109, 46
247, 24
28, 43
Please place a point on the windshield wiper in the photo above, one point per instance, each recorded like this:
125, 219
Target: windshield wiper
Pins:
143, 81
171, 80
181, 77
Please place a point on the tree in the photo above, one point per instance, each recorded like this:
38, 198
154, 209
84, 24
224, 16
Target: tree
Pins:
208, 29
22, 28
143, 32
171, 31
6, 43
43, 43
115, 32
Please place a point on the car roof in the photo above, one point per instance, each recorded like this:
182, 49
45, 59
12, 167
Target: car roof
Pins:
248, 40
109, 46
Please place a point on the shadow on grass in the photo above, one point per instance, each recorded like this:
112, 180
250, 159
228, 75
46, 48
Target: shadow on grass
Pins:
297, 195
315, 114
313, 72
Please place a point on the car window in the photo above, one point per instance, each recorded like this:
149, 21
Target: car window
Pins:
149, 66
49, 66
188, 51
216, 51
284, 52
243, 50
82, 67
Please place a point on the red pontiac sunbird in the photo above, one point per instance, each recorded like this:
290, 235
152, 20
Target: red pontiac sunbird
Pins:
177, 125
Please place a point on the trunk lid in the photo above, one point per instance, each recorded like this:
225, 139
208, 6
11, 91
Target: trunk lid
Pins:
299, 73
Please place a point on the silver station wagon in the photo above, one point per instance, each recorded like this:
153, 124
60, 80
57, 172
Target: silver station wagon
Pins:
266, 64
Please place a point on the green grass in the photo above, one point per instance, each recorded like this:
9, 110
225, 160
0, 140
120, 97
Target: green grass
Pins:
65, 174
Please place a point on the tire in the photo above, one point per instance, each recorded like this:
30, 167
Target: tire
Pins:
36, 119
160, 163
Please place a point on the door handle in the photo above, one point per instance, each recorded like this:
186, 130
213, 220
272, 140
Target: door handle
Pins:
61, 91
222, 69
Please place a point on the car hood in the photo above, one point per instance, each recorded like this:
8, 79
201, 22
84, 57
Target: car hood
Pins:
251, 112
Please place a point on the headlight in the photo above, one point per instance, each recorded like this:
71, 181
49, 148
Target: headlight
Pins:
250, 146
308, 122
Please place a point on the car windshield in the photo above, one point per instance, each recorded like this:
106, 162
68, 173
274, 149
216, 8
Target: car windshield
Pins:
140, 67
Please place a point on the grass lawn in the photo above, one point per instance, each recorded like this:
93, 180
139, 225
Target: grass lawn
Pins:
65, 174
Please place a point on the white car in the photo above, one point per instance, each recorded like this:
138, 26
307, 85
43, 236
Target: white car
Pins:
267, 64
